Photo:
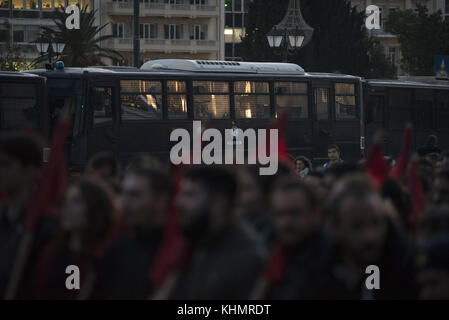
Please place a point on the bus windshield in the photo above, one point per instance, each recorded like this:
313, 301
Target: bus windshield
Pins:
19, 105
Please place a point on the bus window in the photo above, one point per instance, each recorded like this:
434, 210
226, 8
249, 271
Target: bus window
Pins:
442, 104
252, 100
345, 106
18, 105
291, 97
211, 100
102, 105
322, 103
141, 100
177, 99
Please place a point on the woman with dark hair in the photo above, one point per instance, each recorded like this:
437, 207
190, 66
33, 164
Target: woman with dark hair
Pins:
303, 166
86, 217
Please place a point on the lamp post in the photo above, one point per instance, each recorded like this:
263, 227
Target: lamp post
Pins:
50, 47
292, 32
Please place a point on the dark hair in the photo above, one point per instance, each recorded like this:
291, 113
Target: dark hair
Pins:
436, 220
356, 186
391, 189
288, 183
215, 179
343, 169
266, 182
333, 146
23, 147
306, 161
105, 159
151, 170
99, 206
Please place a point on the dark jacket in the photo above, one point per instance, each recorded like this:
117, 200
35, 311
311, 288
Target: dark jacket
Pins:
226, 270
332, 280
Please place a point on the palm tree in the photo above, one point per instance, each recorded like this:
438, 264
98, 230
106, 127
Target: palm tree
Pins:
82, 46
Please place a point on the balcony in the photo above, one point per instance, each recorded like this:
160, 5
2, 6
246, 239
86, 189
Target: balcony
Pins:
163, 10
167, 46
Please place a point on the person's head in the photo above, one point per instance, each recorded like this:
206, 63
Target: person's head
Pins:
206, 201
296, 209
145, 197
301, 163
441, 187
433, 269
359, 220
20, 158
432, 140
87, 210
333, 153
103, 165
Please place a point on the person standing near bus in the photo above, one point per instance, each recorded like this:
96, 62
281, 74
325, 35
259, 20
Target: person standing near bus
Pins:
334, 155
431, 146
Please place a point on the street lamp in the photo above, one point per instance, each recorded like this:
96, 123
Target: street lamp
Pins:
293, 32
50, 48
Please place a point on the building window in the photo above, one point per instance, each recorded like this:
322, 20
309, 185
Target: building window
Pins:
4, 4
392, 55
17, 4
198, 2
121, 30
173, 31
19, 33
59, 4
198, 32
148, 31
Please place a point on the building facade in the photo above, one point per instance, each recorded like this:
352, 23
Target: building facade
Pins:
388, 41
183, 29
21, 21
234, 28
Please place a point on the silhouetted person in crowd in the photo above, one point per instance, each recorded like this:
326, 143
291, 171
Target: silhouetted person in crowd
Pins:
363, 235
298, 229
227, 258
429, 147
86, 217
146, 192
433, 264
20, 163
443, 162
441, 187
103, 165
334, 155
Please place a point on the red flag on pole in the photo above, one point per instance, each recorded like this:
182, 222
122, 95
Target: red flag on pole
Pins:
276, 267
400, 168
376, 165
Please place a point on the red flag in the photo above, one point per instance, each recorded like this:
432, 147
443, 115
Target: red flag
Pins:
50, 192
376, 165
417, 196
174, 252
276, 267
400, 168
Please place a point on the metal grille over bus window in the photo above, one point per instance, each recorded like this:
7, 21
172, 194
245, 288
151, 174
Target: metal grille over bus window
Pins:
211, 100
252, 100
177, 99
141, 100
291, 97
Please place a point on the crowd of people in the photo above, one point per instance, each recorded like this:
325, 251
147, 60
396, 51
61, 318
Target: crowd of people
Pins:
153, 231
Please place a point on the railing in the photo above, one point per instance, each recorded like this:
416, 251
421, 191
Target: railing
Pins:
163, 44
161, 8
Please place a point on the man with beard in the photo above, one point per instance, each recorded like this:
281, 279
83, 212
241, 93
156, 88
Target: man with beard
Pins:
226, 257
299, 241
124, 272
364, 236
